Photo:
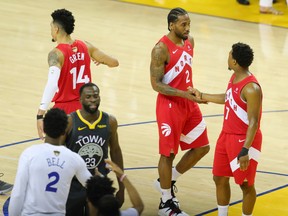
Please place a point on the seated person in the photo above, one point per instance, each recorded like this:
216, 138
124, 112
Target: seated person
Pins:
101, 199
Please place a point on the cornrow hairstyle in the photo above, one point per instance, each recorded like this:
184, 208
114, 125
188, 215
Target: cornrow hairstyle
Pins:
243, 54
173, 15
64, 18
55, 122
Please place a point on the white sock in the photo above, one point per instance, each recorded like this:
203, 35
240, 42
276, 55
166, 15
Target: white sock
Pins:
175, 174
223, 210
266, 3
166, 194
246, 215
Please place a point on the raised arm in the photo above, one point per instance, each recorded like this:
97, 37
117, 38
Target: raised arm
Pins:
98, 56
55, 61
116, 155
134, 196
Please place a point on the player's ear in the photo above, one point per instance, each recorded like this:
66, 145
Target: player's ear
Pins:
170, 27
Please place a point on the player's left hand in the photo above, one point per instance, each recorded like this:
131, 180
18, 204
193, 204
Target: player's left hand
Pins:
195, 95
244, 162
96, 62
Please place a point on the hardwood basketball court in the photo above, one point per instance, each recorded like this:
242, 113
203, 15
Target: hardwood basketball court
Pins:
129, 32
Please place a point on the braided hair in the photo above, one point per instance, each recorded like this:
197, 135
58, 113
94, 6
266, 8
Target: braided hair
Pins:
173, 15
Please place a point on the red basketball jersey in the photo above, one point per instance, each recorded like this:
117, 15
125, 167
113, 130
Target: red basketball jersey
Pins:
74, 73
235, 109
178, 72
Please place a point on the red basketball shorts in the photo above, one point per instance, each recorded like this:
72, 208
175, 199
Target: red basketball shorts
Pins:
225, 158
180, 122
68, 107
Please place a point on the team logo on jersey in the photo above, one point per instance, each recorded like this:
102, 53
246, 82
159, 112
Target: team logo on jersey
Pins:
92, 154
81, 128
74, 49
56, 153
166, 129
101, 126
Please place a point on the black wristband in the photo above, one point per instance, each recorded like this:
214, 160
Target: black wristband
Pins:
39, 117
243, 152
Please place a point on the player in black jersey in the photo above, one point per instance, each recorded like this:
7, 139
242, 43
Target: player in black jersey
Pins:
91, 133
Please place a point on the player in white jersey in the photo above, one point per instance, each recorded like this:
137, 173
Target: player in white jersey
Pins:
45, 172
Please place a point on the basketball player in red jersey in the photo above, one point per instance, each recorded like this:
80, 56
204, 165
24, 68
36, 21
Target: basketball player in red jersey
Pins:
239, 143
69, 67
179, 118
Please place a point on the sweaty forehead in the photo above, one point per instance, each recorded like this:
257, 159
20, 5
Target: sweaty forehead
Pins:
91, 90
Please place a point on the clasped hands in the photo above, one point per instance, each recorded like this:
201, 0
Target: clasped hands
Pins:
195, 95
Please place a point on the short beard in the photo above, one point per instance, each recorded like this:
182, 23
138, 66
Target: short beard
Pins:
181, 36
87, 109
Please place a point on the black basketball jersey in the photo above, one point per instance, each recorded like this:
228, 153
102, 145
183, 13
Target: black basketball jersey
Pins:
90, 141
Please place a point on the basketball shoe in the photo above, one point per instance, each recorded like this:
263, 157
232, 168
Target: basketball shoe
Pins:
4, 186
173, 190
170, 209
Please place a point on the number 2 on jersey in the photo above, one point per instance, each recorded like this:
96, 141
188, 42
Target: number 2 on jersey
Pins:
54, 176
79, 78
187, 76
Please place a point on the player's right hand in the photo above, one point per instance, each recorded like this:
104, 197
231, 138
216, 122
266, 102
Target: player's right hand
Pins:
194, 95
114, 167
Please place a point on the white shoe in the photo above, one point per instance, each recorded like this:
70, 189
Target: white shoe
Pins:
170, 209
174, 190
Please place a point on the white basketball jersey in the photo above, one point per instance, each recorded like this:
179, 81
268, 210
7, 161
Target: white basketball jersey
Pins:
43, 180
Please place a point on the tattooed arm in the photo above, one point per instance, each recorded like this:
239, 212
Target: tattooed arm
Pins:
55, 61
55, 58
159, 57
